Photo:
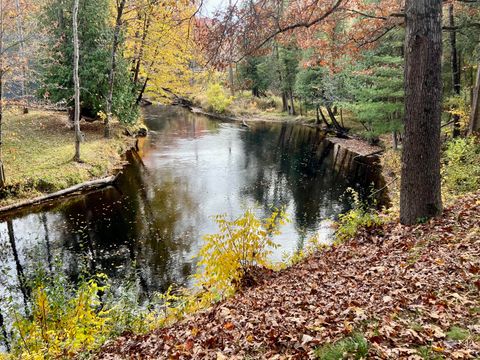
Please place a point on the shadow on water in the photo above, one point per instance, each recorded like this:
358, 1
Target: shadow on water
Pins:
151, 224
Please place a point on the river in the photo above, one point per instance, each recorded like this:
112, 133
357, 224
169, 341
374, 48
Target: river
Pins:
150, 226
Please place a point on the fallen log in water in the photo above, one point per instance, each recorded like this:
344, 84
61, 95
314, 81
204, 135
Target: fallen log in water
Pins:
89, 185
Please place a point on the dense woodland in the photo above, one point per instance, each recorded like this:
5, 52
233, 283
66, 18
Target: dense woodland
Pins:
400, 74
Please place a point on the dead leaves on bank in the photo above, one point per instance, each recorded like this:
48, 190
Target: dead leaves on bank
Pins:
412, 292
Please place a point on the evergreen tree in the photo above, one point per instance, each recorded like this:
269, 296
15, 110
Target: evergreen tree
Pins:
95, 33
377, 92
255, 74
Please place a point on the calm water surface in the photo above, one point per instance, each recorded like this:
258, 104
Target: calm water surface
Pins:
149, 227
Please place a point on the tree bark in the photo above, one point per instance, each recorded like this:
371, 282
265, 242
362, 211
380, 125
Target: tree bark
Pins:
292, 103
331, 114
456, 85
420, 194
113, 66
475, 115
323, 117
395, 139
142, 91
231, 80
2, 172
76, 83
146, 25
284, 102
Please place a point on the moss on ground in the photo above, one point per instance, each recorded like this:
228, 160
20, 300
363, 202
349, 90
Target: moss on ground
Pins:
38, 150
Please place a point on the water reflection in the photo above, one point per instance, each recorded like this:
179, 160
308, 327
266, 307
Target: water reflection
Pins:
151, 224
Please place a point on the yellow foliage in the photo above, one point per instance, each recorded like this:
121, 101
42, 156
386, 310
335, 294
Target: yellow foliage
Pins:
159, 40
217, 100
62, 330
458, 106
240, 245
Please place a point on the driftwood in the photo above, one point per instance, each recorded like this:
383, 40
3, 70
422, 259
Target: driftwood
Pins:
371, 154
89, 185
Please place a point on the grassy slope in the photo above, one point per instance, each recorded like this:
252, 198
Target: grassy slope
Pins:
38, 151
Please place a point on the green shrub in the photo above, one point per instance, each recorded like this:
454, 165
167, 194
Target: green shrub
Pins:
361, 216
461, 168
217, 100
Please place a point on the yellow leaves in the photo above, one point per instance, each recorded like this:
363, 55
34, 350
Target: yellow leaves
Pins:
159, 39
239, 246
62, 330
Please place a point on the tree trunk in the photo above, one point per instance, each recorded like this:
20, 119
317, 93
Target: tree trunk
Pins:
331, 114
284, 102
231, 80
420, 194
395, 139
475, 115
292, 103
142, 91
323, 117
455, 68
2, 172
317, 108
23, 59
76, 83
136, 72
113, 66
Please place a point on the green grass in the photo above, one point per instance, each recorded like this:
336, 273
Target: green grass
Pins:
427, 353
354, 347
457, 333
38, 151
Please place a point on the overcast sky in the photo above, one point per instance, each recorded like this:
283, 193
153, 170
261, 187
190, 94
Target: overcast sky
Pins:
211, 5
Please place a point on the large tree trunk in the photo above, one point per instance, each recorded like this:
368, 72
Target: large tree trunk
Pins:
420, 195
76, 83
475, 115
456, 87
23, 59
113, 66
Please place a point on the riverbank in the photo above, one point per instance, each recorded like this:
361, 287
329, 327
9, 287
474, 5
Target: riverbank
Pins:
392, 292
38, 150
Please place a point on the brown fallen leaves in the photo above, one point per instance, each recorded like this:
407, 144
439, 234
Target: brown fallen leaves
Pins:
403, 288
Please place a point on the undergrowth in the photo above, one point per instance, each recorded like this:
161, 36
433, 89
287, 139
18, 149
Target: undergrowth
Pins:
461, 166
65, 321
354, 347
361, 216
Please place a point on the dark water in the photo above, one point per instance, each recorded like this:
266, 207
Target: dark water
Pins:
151, 225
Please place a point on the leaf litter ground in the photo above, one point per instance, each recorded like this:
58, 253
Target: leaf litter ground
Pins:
410, 292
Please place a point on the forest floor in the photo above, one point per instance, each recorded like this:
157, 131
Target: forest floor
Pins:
38, 149
393, 292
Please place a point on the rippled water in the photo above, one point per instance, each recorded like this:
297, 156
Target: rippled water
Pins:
149, 227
